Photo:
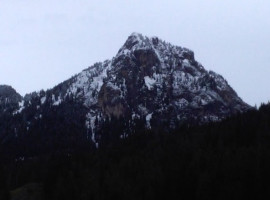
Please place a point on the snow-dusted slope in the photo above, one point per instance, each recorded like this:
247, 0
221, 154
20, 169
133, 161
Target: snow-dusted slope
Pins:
148, 79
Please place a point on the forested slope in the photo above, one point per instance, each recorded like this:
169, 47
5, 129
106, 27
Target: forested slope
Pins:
221, 160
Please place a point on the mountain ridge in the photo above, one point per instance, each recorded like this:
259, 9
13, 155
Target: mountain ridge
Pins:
149, 80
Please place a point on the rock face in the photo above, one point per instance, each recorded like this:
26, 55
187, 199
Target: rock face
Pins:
149, 80
155, 80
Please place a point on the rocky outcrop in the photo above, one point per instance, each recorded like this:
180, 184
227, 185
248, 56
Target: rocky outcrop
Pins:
150, 76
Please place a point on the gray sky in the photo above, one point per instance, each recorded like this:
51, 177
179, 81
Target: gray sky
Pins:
44, 42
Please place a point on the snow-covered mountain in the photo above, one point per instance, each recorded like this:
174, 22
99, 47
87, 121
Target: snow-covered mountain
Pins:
149, 80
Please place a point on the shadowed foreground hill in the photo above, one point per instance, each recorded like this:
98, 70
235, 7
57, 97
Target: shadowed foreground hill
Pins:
222, 160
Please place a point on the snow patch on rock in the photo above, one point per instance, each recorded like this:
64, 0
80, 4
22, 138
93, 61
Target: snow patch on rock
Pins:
148, 118
149, 82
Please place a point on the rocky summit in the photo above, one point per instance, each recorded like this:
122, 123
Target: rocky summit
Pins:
149, 81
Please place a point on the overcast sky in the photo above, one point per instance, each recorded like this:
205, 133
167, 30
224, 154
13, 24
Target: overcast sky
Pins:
44, 42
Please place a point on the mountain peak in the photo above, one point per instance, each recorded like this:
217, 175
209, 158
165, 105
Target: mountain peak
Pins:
137, 41
150, 82
140, 37
136, 34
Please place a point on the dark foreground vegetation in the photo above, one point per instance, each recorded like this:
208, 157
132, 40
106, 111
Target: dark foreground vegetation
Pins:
226, 160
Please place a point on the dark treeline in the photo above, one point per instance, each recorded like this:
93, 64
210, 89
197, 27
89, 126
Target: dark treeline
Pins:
224, 160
